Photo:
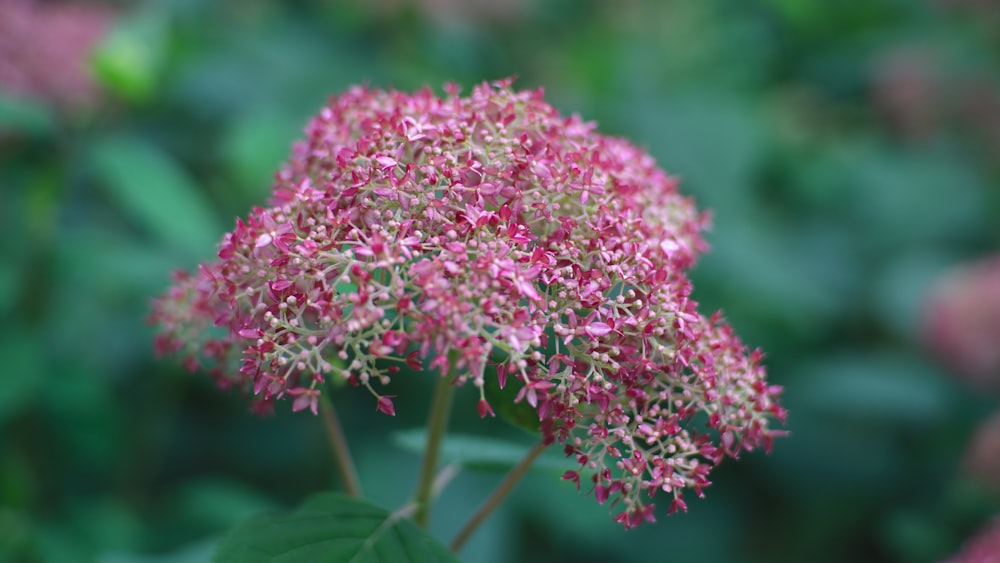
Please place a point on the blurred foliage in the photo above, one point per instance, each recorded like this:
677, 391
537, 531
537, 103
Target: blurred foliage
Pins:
848, 150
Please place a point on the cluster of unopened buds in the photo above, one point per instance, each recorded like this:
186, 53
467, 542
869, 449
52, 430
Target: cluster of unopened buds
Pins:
476, 238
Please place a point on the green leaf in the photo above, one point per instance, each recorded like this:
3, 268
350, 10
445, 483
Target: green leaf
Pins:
149, 185
481, 453
331, 527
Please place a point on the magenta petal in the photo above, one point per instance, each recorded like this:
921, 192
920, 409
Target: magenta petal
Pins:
597, 328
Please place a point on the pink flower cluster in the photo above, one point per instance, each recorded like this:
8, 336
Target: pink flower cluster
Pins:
485, 236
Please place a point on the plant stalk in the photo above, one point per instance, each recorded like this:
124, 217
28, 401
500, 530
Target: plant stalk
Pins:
437, 424
497, 496
338, 444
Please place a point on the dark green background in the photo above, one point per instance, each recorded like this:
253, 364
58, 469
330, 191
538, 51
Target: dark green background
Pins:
835, 207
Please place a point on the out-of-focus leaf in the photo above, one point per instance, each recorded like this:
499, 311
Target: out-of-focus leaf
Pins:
971, 498
275, 65
15, 534
766, 283
109, 523
23, 373
10, 282
916, 536
124, 269
928, 195
24, 117
19, 482
892, 199
60, 544
845, 456
255, 146
79, 402
331, 527
129, 60
153, 189
218, 504
874, 387
901, 288
482, 453
195, 553
712, 142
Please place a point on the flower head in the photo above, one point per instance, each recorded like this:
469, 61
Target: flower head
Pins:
486, 235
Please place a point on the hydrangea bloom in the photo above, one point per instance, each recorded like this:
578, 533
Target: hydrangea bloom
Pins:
485, 236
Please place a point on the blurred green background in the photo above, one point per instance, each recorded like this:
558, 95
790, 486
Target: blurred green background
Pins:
849, 151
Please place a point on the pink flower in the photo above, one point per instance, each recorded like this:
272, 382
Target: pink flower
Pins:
407, 229
305, 399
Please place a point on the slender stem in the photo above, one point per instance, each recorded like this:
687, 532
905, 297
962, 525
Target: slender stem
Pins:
437, 423
497, 496
338, 444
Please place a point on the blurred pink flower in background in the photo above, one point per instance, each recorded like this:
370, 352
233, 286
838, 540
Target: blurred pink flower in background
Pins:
984, 547
979, 110
962, 323
962, 327
45, 49
907, 91
920, 91
982, 455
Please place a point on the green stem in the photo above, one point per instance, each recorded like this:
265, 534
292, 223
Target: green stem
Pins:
497, 496
338, 444
437, 423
